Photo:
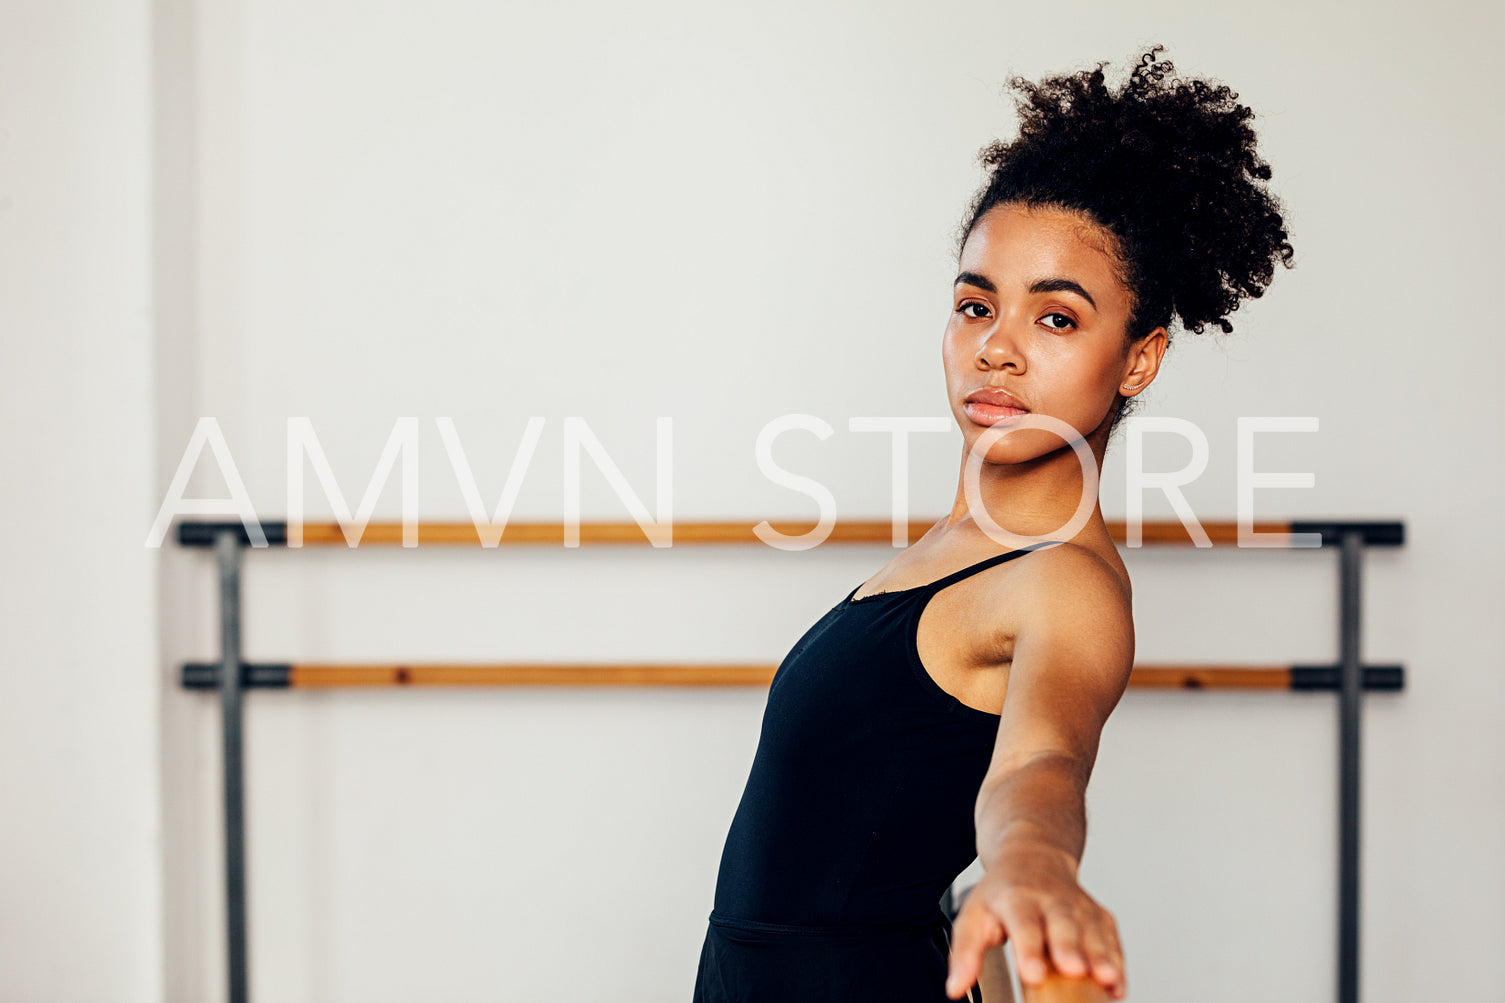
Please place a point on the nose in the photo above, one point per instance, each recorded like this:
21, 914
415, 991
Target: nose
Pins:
1002, 347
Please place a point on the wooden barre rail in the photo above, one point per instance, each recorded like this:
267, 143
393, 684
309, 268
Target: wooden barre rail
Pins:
308, 675
202, 534
1058, 988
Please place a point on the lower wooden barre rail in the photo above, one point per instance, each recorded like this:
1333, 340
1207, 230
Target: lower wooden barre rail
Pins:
201, 675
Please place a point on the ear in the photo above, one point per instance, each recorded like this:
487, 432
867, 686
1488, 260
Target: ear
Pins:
1143, 362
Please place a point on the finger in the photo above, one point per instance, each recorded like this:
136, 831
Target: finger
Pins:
1026, 928
974, 931
1099, 953
1064, 935
1115, 946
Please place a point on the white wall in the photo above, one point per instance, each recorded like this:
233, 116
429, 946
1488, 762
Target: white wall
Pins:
80, 831
359, 212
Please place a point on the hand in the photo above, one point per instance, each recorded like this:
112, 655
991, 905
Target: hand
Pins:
1031, 894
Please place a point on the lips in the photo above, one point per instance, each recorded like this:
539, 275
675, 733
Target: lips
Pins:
991, 405
997, 397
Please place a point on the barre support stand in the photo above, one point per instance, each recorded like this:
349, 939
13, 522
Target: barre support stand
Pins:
1350, 697
227, 551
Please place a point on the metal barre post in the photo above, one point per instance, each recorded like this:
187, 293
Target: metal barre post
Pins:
227, 550
1350, 697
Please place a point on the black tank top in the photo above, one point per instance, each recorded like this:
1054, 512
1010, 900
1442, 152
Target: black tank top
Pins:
858, 811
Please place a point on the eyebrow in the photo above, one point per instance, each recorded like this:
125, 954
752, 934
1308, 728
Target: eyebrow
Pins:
1048, 285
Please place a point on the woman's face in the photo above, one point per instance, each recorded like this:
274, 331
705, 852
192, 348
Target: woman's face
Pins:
1038, 311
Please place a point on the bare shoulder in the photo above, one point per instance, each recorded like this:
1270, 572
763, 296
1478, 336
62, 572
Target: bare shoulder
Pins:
1065, 586
1069, 566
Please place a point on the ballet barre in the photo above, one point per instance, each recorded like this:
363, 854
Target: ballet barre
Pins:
230, 676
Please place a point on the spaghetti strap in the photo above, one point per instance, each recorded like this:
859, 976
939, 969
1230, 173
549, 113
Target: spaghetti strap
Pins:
985, 564
930, 588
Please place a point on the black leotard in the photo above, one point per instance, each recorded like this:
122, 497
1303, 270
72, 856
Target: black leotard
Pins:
856, 817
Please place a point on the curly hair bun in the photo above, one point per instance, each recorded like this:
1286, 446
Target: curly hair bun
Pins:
1168, 166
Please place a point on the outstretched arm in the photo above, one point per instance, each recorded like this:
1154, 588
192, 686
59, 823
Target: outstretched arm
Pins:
1073, 651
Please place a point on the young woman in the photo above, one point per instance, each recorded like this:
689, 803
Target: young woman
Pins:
951, 705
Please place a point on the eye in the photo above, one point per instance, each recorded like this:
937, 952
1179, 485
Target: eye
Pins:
1067, 319
971, 303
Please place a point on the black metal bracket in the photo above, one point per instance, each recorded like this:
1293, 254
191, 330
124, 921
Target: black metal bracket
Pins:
253, 676
194, 533
1371, 534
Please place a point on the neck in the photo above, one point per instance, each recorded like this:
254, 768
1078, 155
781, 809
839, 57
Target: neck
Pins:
1037, 498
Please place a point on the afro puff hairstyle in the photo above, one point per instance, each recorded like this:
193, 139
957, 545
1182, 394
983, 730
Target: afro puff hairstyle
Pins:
1168, 167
